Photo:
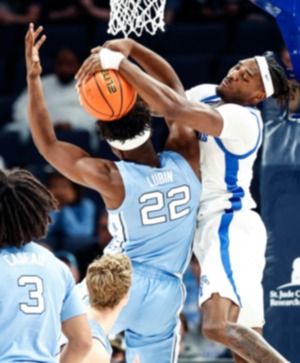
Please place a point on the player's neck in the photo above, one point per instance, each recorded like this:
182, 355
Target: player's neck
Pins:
106, 317
144, 155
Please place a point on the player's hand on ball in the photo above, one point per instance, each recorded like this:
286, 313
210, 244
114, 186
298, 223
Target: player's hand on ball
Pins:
90, 66
32, 46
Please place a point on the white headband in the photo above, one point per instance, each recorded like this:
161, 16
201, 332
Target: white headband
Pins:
265, 75
131, 143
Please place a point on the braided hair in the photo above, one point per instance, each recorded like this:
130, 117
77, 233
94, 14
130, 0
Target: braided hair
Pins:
283, 90
24, 207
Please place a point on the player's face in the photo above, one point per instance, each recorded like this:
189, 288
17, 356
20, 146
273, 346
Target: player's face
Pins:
243, 84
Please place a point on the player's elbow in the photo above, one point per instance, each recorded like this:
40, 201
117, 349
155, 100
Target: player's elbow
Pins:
45, 146
80, 346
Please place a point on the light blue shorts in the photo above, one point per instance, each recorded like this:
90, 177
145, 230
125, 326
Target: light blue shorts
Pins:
151, 317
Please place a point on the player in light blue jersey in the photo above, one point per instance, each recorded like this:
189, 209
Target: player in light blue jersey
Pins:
231, 238
152, 200
38, 296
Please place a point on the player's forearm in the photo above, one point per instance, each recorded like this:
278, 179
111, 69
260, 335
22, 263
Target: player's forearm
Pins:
156, 66
157, 95
41, 126
170, 104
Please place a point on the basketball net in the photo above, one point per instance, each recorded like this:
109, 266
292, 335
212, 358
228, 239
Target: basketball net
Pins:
135, 16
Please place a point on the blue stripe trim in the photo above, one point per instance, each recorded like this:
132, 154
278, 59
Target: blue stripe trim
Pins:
210, 98
176, 341
224, 249
242, 156
232, 168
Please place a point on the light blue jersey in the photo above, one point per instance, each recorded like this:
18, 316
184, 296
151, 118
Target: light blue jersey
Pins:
99, 334
155, 224
37, 293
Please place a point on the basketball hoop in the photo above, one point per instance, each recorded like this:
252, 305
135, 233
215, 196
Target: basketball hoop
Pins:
135, 16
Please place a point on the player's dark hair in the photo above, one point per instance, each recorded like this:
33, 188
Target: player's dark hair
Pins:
24, 207
128, 126
282, 89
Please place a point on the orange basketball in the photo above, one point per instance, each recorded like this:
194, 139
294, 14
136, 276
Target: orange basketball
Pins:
107, 95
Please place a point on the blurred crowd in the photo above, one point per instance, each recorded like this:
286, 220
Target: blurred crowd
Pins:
87, 11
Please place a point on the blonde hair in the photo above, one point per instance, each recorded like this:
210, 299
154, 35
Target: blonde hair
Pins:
108, 280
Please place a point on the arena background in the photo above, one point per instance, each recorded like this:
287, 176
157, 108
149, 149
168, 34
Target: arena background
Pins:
201, 50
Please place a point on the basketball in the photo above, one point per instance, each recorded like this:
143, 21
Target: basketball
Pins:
107, 96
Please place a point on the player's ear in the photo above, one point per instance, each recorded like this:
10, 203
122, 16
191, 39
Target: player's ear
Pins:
259, 97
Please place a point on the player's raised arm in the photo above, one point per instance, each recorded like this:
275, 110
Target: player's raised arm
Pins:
155, 65
151, 62
70, 160
181, 138
157, 95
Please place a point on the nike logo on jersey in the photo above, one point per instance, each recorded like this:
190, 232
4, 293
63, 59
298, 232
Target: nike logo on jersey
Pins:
202, 137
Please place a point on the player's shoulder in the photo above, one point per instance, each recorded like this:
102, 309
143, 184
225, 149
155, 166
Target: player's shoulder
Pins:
239, 110
175, 161
38, 248
171, 155
201, 92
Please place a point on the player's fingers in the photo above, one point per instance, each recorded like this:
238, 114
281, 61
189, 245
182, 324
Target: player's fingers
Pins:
28, 32
35, 59
106, 44
95, 50
29, 42
38, 32
85, 70
29, 35
87, 73
40, 42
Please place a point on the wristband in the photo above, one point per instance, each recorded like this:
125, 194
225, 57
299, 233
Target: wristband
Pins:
110, 59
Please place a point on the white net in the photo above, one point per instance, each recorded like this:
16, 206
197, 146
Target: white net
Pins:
135, 16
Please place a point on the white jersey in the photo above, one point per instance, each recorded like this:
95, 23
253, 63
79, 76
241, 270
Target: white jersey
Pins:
227, 161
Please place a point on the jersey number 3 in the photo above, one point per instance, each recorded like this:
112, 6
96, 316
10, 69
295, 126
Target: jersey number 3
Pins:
177, 207
37, 303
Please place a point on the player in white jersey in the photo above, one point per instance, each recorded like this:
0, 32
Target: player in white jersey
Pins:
152, 200
231, 238
38, 296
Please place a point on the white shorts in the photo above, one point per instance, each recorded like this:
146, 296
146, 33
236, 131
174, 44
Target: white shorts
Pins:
230, 248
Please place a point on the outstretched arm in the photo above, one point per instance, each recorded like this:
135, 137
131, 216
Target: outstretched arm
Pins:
157, 95
170, 104
181, 137
70, 160
153, 64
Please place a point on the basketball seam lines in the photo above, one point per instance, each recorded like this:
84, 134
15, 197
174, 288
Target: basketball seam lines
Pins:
121, 100
87, 102
100, 90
